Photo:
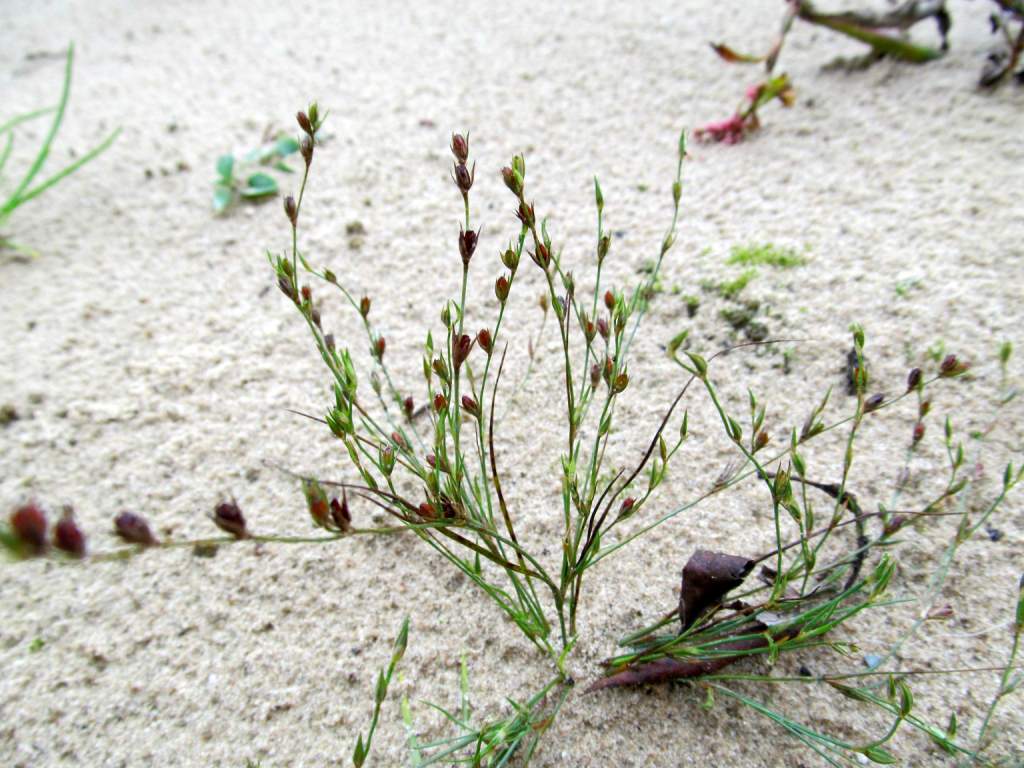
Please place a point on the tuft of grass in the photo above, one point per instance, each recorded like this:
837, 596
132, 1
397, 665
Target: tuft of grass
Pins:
731, 289
765, 255
27, 188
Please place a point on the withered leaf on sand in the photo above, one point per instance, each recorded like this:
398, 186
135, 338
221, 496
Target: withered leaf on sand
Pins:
707, 578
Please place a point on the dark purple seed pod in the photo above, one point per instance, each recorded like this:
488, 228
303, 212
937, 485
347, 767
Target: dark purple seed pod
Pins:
227, 516
463, 177
913, 379
134, 529
467, 245
304, 123
67, 536
340, 513
460, 147
874, 402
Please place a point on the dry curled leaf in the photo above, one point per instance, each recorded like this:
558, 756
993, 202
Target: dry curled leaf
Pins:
707, 578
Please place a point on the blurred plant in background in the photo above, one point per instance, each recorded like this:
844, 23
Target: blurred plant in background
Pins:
25, 189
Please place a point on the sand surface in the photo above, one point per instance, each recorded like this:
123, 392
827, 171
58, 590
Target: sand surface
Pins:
151, 360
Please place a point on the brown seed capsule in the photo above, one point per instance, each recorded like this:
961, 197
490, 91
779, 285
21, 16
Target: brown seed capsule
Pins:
291, 210
134, 529
484, 340
894, 525
602, 248
398, 440
306, 149
460, 147
316, 500
340, 514
440, 403
510, 259
440, 369
460, 350
329, 341
67, 536
467, 245
509, 177
470, 406
378, 347
287, 287
307, 293
227, 516
427, 511
620, 384
626, 506
602, 328
609, 300
950, 367
464, 178
29, 525
542, 257
526, 214
303, 120
874, 402
913, 379
595, 375
364, 306
409, 407
501, 287
918, 432
924, 408
761, 440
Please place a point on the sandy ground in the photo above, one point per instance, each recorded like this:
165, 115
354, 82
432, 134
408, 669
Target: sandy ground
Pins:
151, 363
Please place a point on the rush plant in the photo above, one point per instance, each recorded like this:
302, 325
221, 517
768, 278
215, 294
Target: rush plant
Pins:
443, 480
438, 474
